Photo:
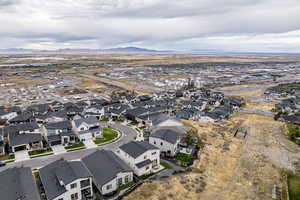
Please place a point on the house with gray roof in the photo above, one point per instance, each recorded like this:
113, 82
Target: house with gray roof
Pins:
108, 170
63, 180
18, 183
142, 157
57, 133
87, 128
167, 140
25, 136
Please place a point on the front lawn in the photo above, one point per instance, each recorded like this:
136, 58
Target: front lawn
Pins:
183, 157
166, 165
108, 134
104, 119
40, 151
7, 157
128, 185
294, 186
75, 146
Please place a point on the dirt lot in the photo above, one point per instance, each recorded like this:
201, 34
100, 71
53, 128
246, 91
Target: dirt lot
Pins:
233, 167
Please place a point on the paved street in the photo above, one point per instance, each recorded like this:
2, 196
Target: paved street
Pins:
128, 135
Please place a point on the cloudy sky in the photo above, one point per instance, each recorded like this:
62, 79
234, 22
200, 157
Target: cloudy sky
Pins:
223, 25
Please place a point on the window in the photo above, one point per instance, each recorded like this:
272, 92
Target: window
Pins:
126, 179
74, 196
61, 199
108, 187
120, 181
154, 142
147, 167
154, 153
145, 157
161, 143
85, 183
74, 185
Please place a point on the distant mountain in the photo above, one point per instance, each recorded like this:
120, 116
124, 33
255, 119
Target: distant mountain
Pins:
105, 51
130, 49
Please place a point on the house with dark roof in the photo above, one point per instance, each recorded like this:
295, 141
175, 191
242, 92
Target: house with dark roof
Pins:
25, 136
57, 133
158, 119
108, 170
18, 184
7, 115
24, 117
64, 180
87, 128
167, 140
52, 117
142, 157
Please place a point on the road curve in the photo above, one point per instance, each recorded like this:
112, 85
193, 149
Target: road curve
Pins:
128, 134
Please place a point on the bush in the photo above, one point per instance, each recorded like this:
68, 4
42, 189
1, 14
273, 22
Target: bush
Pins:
294, 133
293, 186
183, 157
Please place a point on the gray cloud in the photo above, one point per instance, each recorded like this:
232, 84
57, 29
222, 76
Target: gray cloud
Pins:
185, 24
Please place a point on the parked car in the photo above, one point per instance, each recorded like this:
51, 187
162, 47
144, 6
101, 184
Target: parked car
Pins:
2, 164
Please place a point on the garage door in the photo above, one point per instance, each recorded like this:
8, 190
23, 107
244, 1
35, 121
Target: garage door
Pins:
58, 142
20, 148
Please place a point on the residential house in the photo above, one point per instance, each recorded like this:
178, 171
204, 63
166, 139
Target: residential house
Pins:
26, 136
142, 157
108, 170
57, 133
87, 128
7, 115
167, 140
18, 184
66, 180
24, 117
52, 117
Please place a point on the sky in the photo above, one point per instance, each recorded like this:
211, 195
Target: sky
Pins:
182, 25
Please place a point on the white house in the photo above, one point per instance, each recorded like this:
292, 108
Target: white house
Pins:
142, 157
108, 170
66, 180
167, 140
87, 128
8, 115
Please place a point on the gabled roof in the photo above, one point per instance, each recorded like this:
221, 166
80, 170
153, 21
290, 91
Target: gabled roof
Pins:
61, 170
25, 116
18, 183
136, 111
168, 135
135, 148
20, 127
104, 166
59, 125
91, 120
16, 139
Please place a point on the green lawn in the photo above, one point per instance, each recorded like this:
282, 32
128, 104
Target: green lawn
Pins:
294, 186
166, 165
7, 157
128, 185
104, 119
109, 134
145, 176
40, 151
184, 157
76, 145
294, 133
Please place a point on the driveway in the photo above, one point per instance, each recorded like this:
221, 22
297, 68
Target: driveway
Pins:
89, 144
58, 149
21, 156
128, 135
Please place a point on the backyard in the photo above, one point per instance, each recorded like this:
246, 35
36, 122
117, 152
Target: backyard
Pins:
294, 186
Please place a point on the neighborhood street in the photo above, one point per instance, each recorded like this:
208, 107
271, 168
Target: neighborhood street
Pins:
128, 134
